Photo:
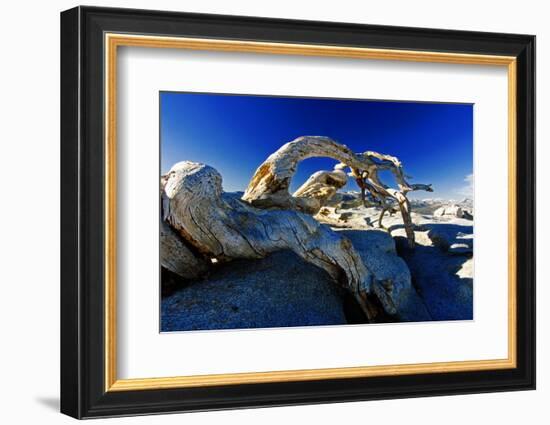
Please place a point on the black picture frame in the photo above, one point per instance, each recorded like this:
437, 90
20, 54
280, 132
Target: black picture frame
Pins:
83, 392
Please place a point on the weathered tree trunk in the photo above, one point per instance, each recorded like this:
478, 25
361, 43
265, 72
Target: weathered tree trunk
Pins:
405, 209
222, 227
268, 188
176, 256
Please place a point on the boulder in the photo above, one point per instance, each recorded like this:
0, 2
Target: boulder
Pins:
284, 290
377, 250
276, 291
449, 210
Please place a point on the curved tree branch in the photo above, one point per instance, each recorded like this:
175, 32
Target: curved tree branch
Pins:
269, 186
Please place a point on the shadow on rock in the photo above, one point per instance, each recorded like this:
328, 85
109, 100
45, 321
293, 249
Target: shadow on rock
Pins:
277, 291
442, 277
378, 251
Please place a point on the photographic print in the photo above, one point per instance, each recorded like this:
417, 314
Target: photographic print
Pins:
300, 194
296, 211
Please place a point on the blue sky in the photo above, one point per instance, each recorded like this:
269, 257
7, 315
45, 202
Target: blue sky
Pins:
236, 133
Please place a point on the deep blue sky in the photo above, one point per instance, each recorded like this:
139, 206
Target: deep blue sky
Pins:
235, 134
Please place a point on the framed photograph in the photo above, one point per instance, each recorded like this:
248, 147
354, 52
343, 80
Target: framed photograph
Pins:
261, 212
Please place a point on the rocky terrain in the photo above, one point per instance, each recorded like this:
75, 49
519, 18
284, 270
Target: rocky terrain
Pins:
320, 256
284, 290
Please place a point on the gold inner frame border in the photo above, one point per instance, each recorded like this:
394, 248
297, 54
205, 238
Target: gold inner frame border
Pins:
113, 40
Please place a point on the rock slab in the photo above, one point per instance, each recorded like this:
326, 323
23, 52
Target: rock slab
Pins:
378, 252
443, 279
277, 291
